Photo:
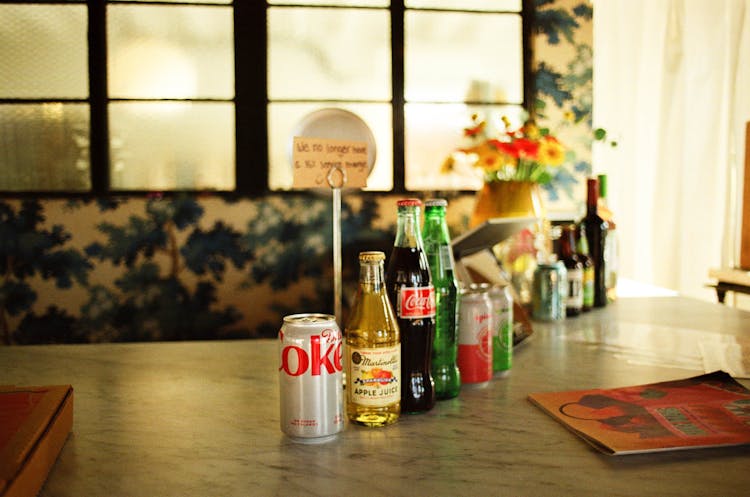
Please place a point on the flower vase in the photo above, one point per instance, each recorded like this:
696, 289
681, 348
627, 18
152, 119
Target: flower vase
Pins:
507, 199
518, 254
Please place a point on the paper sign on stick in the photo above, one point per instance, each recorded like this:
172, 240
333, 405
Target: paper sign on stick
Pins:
313, 159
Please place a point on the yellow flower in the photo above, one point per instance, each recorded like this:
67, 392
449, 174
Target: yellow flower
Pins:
447, 165
489, 158
551, 152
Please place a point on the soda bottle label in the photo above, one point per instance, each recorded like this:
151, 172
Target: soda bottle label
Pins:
575, 288
588, 287
376, 375
416, 302
446, 256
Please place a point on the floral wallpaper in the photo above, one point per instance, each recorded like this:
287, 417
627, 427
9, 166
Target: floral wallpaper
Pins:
563, 38
203, 267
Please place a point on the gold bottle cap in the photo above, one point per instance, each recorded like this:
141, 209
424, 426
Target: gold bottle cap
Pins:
373, 256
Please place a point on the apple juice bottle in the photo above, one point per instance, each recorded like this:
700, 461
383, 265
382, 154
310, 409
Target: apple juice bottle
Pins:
373, 349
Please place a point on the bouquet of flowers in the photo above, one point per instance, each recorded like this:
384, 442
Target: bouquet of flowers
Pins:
528, 153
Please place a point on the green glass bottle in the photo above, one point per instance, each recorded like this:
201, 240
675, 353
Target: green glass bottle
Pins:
437, 246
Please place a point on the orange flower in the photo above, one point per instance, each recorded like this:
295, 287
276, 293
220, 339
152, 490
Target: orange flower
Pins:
523, 154
475, 130
551, 152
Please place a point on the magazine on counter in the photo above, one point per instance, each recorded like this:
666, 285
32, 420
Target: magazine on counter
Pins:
711, 410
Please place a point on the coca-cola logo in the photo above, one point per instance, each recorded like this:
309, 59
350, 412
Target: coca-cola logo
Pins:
417, 302
324, 357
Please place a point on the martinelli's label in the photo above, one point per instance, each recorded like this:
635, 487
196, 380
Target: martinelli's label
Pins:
375, 375
416, 302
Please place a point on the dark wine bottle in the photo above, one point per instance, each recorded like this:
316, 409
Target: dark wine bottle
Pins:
596, 235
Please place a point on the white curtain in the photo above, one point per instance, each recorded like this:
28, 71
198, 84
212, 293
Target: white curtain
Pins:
672, 86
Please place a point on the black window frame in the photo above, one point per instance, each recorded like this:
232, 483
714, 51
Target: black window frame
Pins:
251, 96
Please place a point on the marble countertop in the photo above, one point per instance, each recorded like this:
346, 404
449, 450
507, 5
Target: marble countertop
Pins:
201, 418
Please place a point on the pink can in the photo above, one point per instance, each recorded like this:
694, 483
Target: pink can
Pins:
310, 378
475, 336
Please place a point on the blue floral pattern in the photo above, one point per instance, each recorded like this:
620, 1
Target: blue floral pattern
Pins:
178, 268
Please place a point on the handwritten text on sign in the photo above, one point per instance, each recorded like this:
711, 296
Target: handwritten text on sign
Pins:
314, 158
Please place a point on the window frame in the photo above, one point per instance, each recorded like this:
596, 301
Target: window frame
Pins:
250, 99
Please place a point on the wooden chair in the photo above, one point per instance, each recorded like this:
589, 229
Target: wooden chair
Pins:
745, 240
738, 279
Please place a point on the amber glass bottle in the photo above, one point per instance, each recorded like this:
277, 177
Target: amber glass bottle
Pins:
373, 349
574, 268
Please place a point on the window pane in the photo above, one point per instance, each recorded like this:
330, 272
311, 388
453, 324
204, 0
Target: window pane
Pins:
170, 52
43, 51
44, 147
344, 3
172, 145
284, 117
463, 57
341, 54
433, 132
478, 5
224, 2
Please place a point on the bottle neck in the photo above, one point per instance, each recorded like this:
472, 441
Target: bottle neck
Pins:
592, 196
567, 243
408, 233
371, 277
435, 224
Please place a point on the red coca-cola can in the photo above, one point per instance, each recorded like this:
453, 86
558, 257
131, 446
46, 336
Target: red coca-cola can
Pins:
475, 336
310, 378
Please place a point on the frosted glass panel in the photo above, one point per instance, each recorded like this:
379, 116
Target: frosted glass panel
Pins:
433, 132
322, 53
170, 52
477, 5
44, 147
344, 3
463, 57
43, 51
283, 118
172, 145
221, 2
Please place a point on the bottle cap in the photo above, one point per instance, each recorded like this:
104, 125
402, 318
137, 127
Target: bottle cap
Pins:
602, 185
409, 202
436, 202
371, 256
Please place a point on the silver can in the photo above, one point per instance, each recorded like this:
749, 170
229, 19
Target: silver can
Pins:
550, 291
502, 329
310, 379
475, 336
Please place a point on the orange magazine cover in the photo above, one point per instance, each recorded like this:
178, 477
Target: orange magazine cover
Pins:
710, 410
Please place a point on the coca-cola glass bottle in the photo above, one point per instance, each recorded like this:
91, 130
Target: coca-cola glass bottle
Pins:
412, 295
437, 246
373, 349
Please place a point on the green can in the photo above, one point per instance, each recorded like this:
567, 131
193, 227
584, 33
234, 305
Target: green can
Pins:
502, 334
549, 292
